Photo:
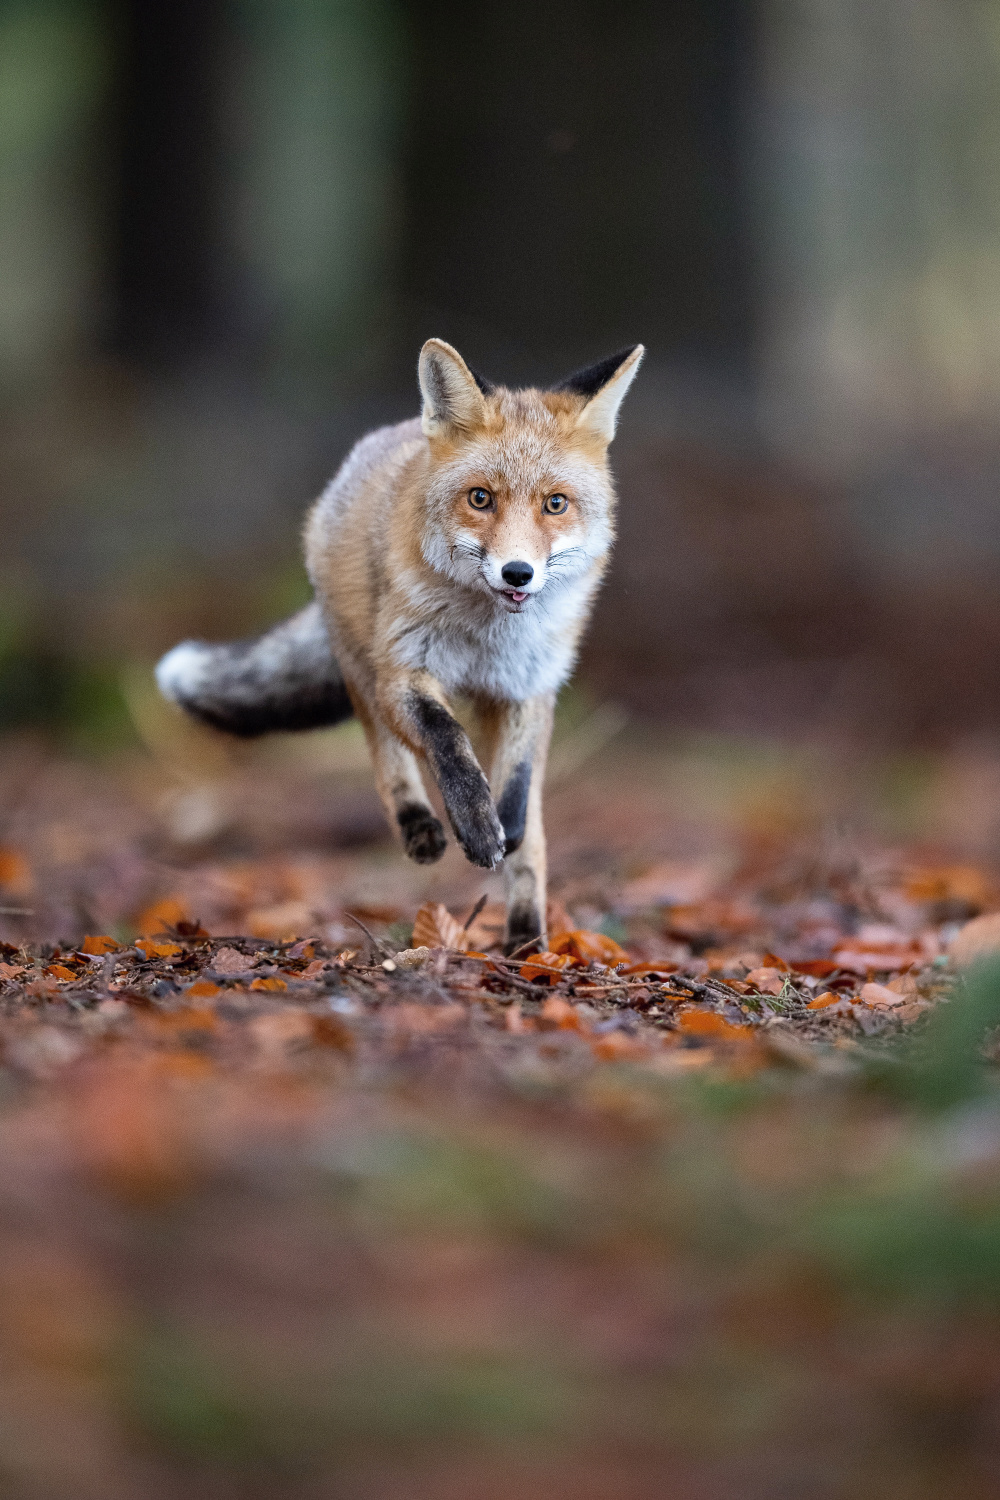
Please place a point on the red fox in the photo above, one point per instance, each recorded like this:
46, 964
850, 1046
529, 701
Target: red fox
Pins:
455, 554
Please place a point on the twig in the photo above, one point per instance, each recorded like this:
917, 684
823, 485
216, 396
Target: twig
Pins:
15, 911
382, 947
524, 947
474, 913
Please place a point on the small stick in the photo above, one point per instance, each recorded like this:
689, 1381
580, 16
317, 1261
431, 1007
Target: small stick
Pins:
524, 947
474, 913
15, 911
380, 946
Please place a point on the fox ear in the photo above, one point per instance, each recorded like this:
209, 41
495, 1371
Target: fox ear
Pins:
603, 388
452, 395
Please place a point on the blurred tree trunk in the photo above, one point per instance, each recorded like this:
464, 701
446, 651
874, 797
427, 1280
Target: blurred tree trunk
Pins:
166, 138
574, 177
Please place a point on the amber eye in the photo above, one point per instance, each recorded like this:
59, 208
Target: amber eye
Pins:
555, 505
480, 499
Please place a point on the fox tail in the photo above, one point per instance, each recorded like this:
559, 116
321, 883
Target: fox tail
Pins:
286, 678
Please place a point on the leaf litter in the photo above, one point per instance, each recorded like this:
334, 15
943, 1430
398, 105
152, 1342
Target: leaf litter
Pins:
302, 1177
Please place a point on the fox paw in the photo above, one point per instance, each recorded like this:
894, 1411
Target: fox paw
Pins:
482, 837
524, 926
423, 836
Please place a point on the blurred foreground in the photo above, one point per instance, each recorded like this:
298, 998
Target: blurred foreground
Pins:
705, 1203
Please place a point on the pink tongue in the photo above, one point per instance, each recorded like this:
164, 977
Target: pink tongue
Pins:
518, 598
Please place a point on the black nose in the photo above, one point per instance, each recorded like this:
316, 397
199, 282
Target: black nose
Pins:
517, 574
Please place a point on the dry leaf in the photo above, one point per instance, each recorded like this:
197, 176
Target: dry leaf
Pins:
589, 947
97, 947
710, 1023
231, 961
547, 966
11, 971
768, 980
880, 997
822, 1001
561, 1014
60, 971
161, 915
203, 989
435, 927
15, 873
269, 984
152, 949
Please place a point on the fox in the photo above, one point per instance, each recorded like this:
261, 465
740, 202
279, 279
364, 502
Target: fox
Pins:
454, 555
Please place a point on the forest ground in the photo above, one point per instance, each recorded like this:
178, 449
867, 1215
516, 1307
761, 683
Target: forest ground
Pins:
296, 1200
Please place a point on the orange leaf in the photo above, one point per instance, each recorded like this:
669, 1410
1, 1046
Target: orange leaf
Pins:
98, 946
435, 927
546, 965
617, 1047
159, 916
203, 989
772, 961
880, 997
822, 1001
650, 968
559, 1013
709, 1023
151, 949
269, 984
589, 947
60, 971
15, 872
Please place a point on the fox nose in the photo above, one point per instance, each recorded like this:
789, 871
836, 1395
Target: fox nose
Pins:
517, 574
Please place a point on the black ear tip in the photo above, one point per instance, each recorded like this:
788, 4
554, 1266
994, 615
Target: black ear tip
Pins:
588, 381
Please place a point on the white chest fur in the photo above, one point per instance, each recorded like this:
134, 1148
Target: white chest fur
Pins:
470, 646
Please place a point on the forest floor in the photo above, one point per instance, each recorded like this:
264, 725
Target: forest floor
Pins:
306, 1190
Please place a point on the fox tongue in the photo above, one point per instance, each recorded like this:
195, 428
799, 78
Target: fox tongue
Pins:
517, 597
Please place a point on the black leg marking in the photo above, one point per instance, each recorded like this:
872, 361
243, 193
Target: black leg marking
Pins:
463, 786
513, 805
423, 836
524, 925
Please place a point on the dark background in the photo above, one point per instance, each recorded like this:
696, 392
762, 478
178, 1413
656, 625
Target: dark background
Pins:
226, 226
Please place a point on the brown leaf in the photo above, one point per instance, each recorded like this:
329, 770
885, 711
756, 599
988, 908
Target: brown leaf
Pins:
161, 915
152, 949
880, 997
272, 983
768, 980
435, 927
231, 961
11, 971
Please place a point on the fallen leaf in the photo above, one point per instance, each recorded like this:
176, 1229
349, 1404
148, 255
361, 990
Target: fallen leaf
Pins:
710, 1023
161, 915
272, 983
435, 927
412, 958
817, 968
561, 1014
231, 961
11, 971
152, 949
15, 872
60, 971
203, 989
546, 965
616, 1046
650, 968
589, 947
880, 997
822, 1001
767, 979
97, 947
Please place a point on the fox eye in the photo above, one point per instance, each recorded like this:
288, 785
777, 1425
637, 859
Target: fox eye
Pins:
480, 499
555, 505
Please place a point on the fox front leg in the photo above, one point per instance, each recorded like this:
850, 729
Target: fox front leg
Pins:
419, 713
521, 733
401, 788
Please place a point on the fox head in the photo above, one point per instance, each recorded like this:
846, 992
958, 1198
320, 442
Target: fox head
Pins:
520, 499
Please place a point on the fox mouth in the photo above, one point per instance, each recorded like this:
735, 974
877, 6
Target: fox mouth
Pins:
514, 600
